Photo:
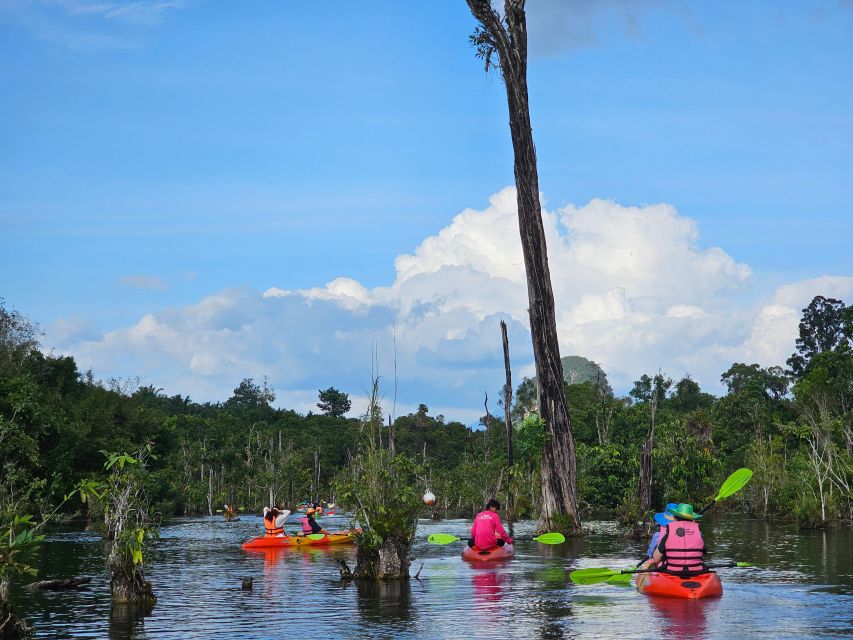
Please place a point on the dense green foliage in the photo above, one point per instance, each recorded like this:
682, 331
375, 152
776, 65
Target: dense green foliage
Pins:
793, 427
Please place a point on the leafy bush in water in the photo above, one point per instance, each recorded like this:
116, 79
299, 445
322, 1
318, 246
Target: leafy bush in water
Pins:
382, 488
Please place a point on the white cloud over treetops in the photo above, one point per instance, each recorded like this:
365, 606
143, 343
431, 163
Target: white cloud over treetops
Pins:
634, 289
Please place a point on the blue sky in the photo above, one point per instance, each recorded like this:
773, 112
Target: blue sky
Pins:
180, 181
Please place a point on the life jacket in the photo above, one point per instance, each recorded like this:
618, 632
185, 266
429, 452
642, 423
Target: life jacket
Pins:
270, 529
682, 548
306, 525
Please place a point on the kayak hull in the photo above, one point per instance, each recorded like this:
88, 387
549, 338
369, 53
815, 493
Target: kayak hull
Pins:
476, 554
275, 542
706, 585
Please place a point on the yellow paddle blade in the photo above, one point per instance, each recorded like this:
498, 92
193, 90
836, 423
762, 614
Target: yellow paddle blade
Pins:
592, 576
622, 578
551, 538
734, 483
442, 538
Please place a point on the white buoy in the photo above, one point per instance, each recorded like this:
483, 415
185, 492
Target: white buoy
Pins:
429, 498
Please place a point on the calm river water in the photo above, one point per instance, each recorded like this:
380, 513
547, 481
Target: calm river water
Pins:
802, 587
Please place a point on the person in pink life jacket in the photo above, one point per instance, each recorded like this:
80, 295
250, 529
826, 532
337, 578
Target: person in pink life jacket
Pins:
309, 524
681, 548
487, 530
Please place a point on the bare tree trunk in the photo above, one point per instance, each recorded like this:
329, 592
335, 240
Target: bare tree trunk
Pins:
316, 475
508, 423
391, 446
602, 420
559, 503
11, 626
210, 490
486, 430
644, 493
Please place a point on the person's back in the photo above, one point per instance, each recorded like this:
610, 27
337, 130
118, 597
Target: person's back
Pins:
274, 521
487, 530
681, 548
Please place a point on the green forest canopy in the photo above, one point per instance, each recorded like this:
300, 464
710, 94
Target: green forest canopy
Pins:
793, 426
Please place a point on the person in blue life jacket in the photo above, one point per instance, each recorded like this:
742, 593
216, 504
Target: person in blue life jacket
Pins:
662, 519
681, 548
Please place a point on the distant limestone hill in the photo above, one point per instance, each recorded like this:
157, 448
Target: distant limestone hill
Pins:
577, 370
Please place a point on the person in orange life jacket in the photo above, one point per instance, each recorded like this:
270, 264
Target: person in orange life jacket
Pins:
487, 530
274, 521
309, 524
681, 547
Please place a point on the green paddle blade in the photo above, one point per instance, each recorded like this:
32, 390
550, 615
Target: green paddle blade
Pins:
442, 538
743, 564
316, 536
622, 578
592, 576
734, 483
551, 538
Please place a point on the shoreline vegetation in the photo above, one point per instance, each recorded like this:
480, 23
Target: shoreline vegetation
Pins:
794, 428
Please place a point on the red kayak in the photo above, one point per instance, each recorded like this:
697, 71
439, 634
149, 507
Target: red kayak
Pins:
267, 542
657, 583
476, 554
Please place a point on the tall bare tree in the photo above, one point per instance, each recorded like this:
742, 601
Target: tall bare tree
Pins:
502, 41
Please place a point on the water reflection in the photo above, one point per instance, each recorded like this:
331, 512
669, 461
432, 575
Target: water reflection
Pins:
488, 584
385, 603
682, 618
126, 621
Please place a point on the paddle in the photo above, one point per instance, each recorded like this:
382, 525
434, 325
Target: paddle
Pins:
316, 536
734, 483
600, 574
545, 538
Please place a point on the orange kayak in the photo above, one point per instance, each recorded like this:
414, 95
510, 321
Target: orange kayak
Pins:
476, 554
271, 542
657, 583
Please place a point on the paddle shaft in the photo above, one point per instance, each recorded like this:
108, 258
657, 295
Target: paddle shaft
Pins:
721, 565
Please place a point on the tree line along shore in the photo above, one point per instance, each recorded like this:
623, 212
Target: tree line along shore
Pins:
793, 426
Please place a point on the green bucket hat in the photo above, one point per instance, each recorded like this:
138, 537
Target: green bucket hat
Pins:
684, 511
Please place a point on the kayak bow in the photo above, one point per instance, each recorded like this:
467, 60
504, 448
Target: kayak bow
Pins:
656, 583
476, 554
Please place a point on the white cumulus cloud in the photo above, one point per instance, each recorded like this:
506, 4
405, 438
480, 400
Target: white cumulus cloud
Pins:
635, 290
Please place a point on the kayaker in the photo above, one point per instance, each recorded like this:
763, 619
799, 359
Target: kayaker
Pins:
274, 521
681, 547
309, 524
662, 519
487, 530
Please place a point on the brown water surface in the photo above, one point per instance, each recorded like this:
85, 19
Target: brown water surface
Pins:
802, 587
